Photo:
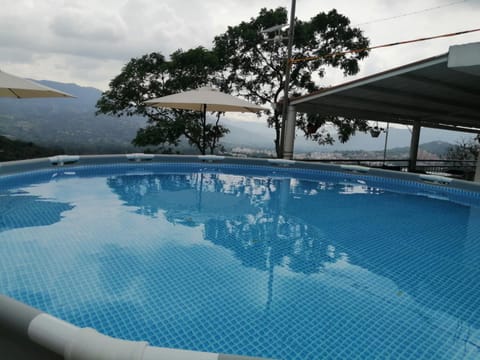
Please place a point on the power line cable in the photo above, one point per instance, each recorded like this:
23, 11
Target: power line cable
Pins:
340, 53
411, 13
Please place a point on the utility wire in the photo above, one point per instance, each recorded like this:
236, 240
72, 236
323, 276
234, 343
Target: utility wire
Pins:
411, 13
340, 53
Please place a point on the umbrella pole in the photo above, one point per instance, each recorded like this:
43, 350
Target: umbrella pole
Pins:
386, 141
204, 124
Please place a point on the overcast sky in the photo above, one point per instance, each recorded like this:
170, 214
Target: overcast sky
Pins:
88, 41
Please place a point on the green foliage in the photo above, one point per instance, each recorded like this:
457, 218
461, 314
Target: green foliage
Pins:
141, 79
312, 126
243, 62
19, 150
69, 124
255, 63
465, 150
151, 76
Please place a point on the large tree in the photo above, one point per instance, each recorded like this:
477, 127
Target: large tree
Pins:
255, 63
152, 76
464, 149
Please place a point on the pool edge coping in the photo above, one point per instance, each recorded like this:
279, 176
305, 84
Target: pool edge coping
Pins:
75, 343
21, 166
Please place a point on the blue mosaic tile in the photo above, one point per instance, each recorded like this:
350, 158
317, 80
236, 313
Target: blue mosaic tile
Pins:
294, 264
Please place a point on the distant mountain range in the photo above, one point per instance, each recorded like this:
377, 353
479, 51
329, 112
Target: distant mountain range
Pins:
258, 135
16, 149
71, 124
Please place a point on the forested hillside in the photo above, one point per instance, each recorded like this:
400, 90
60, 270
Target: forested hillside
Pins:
69, 124
16, 149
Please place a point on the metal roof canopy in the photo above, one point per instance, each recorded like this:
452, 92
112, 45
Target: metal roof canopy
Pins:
440, 92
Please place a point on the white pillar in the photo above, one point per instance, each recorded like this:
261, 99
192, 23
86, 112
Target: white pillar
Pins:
477, 171
414, 146
289, 133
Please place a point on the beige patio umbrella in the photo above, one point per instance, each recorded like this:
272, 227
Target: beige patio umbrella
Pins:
16, 87
204, 99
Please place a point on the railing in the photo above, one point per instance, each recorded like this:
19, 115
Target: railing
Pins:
461, 169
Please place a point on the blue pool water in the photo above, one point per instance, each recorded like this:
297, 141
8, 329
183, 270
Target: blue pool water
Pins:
287, 264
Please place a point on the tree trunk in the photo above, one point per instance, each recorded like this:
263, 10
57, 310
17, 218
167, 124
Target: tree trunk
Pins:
204, 124
278, 137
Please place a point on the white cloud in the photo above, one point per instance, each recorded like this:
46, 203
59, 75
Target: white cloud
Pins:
88, 41
81, 25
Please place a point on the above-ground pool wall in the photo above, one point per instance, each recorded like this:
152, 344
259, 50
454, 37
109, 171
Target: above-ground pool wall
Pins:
22, 327
15, 319
15, 345
64, 162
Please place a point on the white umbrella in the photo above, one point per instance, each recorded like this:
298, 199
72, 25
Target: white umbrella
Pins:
204, 99
16, 87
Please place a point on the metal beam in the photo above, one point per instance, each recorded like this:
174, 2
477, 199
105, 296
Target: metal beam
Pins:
358, 103
350, 106
451, 119
412, 163
372, 79
447, 87
471, 125
450, 128
413, 96
351, 113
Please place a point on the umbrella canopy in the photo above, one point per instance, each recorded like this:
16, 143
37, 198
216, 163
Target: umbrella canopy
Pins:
204, 99
13, 86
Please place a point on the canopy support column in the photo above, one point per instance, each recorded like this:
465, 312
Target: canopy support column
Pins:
412, 163
289, 133
477, 171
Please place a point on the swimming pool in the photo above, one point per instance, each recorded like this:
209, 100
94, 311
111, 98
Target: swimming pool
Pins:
248, 258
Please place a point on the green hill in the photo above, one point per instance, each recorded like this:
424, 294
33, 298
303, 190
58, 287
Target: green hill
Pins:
70, 124
437, 148
16, 149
